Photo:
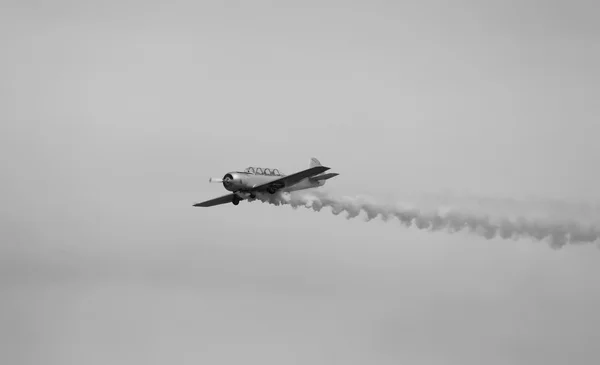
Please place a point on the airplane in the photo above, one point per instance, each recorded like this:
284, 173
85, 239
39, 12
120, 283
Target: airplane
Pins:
253, 180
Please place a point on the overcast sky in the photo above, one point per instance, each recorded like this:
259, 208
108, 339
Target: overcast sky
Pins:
114, 114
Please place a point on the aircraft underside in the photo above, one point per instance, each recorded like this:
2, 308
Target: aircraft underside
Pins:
274, 188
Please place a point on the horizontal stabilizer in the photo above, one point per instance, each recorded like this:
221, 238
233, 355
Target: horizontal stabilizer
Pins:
324, 176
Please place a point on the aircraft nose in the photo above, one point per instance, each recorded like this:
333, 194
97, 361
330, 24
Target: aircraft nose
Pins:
227, 179
231, 181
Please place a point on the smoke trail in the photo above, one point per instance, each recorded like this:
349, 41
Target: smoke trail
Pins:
584, 212
557, 233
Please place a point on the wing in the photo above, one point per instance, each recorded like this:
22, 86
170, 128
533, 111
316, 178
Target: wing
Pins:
216, 201
291, 179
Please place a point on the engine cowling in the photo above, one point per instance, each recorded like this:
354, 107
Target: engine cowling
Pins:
232, 182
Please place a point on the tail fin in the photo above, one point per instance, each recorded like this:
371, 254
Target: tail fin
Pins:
314, 162
319, 178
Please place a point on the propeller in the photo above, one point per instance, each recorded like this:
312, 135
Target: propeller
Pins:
226, 180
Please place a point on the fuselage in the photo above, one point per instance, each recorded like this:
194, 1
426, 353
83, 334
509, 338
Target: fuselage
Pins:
240, 181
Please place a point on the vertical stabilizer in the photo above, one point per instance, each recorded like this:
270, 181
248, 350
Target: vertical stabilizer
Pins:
314, 162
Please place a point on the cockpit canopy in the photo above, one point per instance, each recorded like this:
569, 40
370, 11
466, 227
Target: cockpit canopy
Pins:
261, 171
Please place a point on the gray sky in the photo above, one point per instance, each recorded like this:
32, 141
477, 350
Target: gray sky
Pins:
114, 114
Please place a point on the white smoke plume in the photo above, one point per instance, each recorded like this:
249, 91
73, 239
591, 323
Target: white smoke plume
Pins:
556, 232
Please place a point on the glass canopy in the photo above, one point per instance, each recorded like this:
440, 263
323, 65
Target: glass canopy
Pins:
261, 171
